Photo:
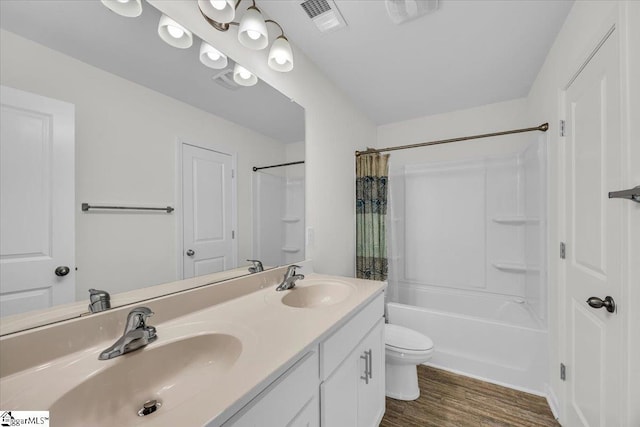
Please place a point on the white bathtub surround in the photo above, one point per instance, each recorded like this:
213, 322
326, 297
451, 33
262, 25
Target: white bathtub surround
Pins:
496, 347
468, 263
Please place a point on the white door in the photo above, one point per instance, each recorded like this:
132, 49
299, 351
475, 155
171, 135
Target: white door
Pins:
207, 211
37, 202
595, 230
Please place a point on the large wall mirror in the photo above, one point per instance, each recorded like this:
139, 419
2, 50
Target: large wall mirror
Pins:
98, 110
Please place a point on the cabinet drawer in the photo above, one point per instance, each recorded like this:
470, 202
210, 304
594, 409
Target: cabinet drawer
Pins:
338, 346
285, 399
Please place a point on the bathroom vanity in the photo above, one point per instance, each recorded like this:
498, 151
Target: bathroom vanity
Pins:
236, 353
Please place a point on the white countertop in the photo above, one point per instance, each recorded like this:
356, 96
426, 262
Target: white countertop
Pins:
272, 334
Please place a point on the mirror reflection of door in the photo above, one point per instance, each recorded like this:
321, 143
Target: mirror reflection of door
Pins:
36, 202
208, 211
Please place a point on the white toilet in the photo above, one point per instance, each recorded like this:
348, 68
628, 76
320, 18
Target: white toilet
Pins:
405, 349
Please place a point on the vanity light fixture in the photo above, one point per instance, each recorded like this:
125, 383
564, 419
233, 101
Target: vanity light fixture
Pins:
252, 31
128, 8
212, 57
218, 10
173, 33
243, 77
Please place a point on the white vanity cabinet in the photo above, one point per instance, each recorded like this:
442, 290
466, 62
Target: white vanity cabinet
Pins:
339, 384
353, 395
291, 400
352, 371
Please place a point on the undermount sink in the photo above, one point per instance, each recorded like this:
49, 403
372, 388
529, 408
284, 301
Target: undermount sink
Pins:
320, 294
170, 374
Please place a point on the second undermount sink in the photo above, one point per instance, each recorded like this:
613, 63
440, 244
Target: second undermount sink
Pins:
314, 294
170, 374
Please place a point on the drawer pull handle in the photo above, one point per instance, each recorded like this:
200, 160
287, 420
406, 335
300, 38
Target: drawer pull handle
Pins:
365, 356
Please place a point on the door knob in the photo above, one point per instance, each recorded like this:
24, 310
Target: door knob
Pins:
608, 303
63, 270
190, 252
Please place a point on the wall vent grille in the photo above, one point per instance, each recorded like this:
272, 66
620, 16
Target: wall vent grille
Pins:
225, 79
315, 7
324, 14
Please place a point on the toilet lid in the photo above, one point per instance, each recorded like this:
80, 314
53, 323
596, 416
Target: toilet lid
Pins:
405, 338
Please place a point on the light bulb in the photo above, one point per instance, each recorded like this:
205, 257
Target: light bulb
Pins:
280, 59
245, 74
122, 1
253, 35
218, 4
214, 56
175, 32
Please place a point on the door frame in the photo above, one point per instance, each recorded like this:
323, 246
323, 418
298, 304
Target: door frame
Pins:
179, 201
615, 21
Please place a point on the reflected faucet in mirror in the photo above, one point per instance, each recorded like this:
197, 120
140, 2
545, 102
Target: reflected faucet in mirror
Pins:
137, 334
257, 266
99, 300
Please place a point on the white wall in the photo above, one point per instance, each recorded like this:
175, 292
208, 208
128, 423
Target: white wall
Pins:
582, 30
125, 153
485, 119
334, 130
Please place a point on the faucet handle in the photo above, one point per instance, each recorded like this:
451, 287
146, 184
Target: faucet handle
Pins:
137, 318
291, 270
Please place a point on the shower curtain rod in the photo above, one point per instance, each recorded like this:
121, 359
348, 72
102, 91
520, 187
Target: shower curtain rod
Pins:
257, 168
543, 128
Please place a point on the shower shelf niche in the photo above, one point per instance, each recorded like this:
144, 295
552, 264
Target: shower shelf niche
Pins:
513, 267
515, 220
290, 249
290, 219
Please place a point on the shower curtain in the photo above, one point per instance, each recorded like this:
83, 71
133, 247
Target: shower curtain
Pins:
371, 209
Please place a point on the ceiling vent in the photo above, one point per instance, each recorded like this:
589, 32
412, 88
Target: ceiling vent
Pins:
401, 11
225, 79
325, 14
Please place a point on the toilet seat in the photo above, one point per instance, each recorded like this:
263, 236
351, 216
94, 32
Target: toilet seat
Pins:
401, 339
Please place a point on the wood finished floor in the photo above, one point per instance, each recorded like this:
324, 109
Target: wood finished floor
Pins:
450, 400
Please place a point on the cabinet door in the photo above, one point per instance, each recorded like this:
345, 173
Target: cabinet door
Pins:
309, 416
371, 397
291, 400
339, 394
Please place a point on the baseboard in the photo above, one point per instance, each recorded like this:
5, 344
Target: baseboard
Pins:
552, 401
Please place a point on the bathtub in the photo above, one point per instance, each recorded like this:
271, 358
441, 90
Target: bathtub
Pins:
490, 337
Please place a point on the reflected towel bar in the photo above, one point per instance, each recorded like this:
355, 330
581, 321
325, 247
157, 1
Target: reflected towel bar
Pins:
87, 206
257, 168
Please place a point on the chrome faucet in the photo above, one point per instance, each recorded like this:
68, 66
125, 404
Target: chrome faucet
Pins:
136, 334
99, 300
290, 278
257, 266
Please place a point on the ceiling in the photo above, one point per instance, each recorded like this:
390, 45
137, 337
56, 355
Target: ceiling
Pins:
466, 54
131, 48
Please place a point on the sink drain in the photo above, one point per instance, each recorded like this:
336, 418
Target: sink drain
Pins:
149, 407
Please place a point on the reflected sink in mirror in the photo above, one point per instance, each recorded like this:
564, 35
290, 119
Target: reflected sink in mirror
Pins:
171, 374
315, 294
